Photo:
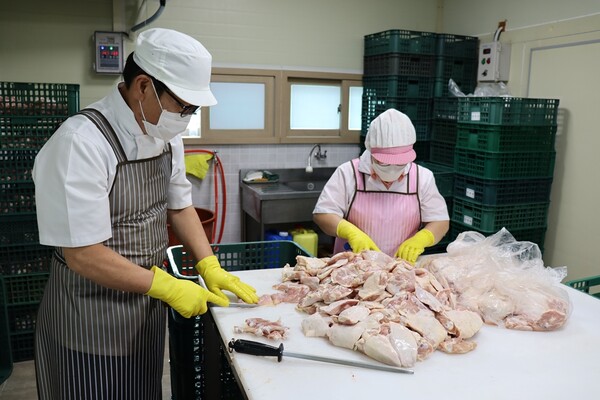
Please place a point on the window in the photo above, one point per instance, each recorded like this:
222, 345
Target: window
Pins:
269, 106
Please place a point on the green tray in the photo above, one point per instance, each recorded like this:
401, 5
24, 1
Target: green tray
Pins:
585, 284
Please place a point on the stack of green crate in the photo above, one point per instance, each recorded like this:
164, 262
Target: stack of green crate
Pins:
399, 67
444, 180
29, 114
456, 59
504, 163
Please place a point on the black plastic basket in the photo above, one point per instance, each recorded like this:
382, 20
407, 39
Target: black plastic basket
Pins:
199, 363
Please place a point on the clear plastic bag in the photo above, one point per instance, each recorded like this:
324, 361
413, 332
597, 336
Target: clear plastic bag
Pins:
505, 281
483, 89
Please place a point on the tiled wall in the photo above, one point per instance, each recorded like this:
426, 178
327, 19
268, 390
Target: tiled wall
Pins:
236, 157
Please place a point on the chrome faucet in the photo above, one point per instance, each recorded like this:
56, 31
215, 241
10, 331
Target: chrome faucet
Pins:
319, 155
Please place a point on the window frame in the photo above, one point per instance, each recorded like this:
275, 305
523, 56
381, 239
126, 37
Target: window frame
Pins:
277, 109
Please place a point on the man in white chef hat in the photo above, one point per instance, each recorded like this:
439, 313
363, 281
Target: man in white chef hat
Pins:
107, 183
383, 200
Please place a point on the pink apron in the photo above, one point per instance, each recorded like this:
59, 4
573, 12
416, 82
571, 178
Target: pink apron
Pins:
389, 218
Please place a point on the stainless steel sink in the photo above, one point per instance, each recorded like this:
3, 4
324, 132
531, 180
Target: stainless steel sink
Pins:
289, 200
306, 186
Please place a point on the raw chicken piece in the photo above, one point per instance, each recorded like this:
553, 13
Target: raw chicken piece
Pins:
309, 264
337, 307
347, 335
349, 276
292, 292
353, 315
316, 325
428, 327
374, 286
428, 299
262, 327
457, 346
461, 323
404, 344
400, 280
336, 293
379, 348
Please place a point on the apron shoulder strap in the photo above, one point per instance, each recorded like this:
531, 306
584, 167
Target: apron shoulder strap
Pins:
107, 130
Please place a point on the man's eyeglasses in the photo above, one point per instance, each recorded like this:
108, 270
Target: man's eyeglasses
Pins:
185, 110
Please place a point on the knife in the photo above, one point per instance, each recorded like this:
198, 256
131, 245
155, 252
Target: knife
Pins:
231, 304
261, 349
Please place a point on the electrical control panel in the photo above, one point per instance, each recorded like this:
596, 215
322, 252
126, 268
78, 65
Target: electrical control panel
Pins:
494, 62
108, 49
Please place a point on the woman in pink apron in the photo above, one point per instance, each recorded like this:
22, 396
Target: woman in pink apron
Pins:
383, 200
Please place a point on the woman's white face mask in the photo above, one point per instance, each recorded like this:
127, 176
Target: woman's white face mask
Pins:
388, 172
169, 124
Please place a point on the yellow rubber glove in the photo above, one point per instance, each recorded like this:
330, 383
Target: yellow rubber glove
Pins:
412, 247
358, 240
217, 279
186, 297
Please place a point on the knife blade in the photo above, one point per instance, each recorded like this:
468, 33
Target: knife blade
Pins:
261, 349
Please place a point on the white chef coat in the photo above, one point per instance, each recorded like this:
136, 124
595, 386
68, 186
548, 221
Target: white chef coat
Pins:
74, 173
339, 191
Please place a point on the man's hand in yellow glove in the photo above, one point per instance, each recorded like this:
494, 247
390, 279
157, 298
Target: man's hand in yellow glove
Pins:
412, 247
217, 279
186, 297
358, 240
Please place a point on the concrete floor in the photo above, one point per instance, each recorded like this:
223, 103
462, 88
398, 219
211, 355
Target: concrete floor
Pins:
20, 385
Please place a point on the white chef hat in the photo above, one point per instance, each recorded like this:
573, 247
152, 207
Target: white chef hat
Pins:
391, 137
177, 60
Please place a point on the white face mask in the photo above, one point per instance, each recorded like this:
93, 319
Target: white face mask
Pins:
389, 172
169, 124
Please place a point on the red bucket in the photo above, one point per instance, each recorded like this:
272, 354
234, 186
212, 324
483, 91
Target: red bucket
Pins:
207, 217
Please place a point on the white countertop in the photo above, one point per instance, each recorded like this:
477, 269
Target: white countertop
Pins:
506, 364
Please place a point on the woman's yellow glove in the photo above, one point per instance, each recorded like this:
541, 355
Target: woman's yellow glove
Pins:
217, 279
413, 247
186, 297
358, 240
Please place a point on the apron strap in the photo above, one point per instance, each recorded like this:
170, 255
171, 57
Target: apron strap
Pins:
107, 130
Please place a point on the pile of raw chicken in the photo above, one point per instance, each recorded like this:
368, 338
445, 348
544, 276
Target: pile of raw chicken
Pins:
398, 313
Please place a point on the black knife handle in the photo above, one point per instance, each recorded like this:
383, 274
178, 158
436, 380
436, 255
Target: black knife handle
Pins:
255, 348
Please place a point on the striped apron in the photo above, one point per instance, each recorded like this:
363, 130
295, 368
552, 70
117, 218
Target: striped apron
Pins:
389, 218
92, 342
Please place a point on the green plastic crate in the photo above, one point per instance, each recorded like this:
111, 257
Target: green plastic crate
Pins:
239, 256
465, 85
506, 138
399, 64
15, 167
26, 133
25, 259
197, 358
493, 192
6, 361
382, 87
507, 110
443, 130
444, 177
459, 69
498, 165
493, 218
400, 41
445, 108
17, 197
38, 99
586, 285
25, 289
456, 45
442, 153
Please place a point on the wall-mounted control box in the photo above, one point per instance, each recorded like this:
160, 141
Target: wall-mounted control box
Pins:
108, 49
494, 62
